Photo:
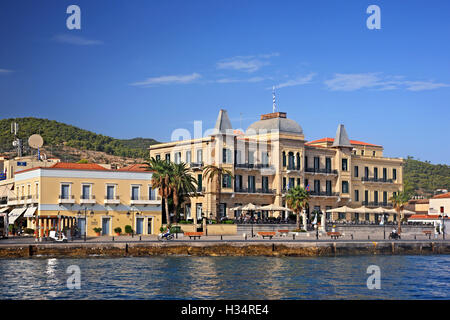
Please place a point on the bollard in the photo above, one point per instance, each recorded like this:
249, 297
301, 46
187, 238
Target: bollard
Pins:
140, 238
221, 237
293, 236
126, 248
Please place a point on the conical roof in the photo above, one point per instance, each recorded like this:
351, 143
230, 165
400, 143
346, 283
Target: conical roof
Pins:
223, 122
341, 139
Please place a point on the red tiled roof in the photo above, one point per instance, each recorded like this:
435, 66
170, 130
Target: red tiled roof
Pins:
441, 196
135, 167
77, 166
351, 141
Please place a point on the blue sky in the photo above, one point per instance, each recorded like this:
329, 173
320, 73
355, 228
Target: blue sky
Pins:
146, 68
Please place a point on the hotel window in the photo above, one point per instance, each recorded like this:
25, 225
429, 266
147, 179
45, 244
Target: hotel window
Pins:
226, 155
298, 181
151, 193
306, 183
251, 184
167, 157
86, 191
265, 183
366, 196
394, 174
110, 192
328, 164
375, 173
237, 156
291, 161
356, 195
158, 157
36, 191
316, 163
328, 187
237, 182
284, 183
384, 174
367, 216
188, 157
355, 171
251, 157
199, 182
199, 156
198, 211
317, 186
344, 164
65, 191
385, 197
265, 158
362, 152
223, 209
177, 157
284, 159
374, 153
344, 186
375, 197
297, 161
226, 181
188, 211
291, 183
328, 214
134, 192
306, 162
366, 172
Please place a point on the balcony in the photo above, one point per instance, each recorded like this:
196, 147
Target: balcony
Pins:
12, 201
196, 165
144, 201
87, 199
252, 166
372, 204
112, 200
250, 190
321, 171
66, 199
31, 199
383, 180
323, 194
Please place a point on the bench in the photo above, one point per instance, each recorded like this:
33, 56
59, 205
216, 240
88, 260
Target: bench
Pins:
266, 234
193, 235
427, 233
283, 232
334, 235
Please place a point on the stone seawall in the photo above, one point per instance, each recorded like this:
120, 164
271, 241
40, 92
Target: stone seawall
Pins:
300, 249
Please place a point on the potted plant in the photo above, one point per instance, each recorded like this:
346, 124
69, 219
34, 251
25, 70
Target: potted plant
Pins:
11, 229
128, 230
97, 231
118, 231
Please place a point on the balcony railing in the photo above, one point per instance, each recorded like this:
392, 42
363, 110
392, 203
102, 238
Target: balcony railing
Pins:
377, 204
87, 198
293, 168
252, 165
196, 164
324, 193
251, 190
144, 200
66, 198
367, 179
112, 200
321, 170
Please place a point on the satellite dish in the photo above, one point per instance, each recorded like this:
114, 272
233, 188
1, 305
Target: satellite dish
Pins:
35, 141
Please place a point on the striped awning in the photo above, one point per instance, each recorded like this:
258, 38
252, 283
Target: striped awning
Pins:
30, 212
4, 209
14, 214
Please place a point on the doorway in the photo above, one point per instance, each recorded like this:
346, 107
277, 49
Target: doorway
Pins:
139, 225
106, 224
149, 225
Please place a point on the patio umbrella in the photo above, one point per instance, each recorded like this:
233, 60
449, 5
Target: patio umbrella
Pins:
250, 207
273, 207
343, 209
236, 208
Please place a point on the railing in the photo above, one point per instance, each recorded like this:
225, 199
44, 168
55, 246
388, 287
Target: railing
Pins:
66, 197
112, 198
293, 168
321, 170
87, 197
250, 190
324, 193
377, 204
196, 164
252, 165
367, 179
141, 198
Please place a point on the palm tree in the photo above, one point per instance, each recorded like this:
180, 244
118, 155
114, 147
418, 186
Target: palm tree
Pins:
215, 173
161, 178
399, 200
297, 200
182, 184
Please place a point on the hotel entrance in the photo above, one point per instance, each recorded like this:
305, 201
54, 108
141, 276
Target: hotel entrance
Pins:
139, 225
106, 225
149, 225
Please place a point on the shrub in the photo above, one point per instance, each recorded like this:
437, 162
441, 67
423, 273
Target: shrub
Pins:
97, 230
228, 221
118, 230
29, 231
128, 229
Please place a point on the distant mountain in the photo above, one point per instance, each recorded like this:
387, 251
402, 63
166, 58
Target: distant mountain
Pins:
57, 134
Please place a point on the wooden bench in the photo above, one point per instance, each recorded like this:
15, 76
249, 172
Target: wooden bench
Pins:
283, 232
193, 235
334, 235
266, 234
428, 233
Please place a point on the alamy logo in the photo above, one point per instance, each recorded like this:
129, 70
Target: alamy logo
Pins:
74, 20
74, 280
374, 280
374, 20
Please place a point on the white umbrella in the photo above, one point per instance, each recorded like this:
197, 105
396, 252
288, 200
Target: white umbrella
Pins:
236, 208
273, 207
343, 209
250, 207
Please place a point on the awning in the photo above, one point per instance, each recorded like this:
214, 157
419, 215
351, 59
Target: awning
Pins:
5, 190
4, 209
30, 212
14, 214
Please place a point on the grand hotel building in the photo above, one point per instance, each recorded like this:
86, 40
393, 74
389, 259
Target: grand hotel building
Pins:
272, 156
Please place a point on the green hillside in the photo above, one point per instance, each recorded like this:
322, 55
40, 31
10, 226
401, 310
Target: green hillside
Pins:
58, 134
425, 177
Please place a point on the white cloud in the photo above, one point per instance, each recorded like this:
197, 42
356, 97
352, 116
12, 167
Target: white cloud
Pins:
246, 63
230, 80
296, 82
76, 40
4, 71
173, 79
377, 81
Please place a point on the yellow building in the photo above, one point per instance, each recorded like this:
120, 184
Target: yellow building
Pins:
88, 195
272, 156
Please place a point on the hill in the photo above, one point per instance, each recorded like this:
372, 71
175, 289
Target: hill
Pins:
424, 178
58, 135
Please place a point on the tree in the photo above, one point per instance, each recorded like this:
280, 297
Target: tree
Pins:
161, 179
182, 183
297, 200
399, 200
214, 173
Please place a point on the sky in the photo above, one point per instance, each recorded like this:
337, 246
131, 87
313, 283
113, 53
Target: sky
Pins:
145, 68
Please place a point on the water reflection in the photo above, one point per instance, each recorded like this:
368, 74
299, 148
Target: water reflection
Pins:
403, 277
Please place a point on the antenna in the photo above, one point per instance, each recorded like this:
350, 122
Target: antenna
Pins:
274, 105
17, 142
